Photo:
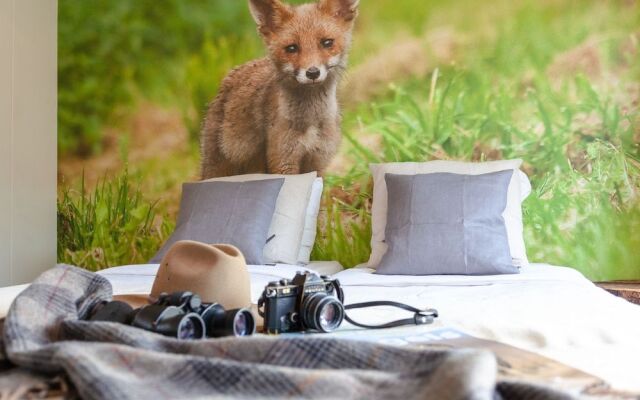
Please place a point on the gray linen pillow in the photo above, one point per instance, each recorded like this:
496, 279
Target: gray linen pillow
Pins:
445, 224
237, 213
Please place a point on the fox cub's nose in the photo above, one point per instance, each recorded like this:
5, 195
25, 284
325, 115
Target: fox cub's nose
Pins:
313, 73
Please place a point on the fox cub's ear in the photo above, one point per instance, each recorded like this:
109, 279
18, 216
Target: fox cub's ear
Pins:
346, 9
269, 14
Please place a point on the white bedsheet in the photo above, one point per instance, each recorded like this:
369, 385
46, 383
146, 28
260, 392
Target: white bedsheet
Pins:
554, 311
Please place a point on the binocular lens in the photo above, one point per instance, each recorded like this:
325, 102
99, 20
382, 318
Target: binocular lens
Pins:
190, 327
180, 315
169, 321
240, 325
322, 312
243, 323
238, 322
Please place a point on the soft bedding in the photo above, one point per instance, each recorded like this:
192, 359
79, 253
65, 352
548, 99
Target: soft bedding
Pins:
237, 213
456, 229
519, 189
553, 311
105, 360
296, 211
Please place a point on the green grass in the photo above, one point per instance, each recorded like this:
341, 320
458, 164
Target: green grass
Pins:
576, 130
578, 143
205, 70
344, 232
112, 52
105, 228
581, 215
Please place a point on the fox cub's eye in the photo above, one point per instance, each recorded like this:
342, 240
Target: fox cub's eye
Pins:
292, 48
327, 43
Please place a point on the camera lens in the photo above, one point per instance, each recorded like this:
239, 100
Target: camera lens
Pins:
329, 316
322, 312
190, 327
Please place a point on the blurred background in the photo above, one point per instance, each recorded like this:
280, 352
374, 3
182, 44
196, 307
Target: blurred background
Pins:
554, 82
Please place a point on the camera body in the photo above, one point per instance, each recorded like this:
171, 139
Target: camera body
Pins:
307, 302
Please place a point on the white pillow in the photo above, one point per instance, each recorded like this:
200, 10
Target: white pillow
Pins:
310, 222
289, 217
519, 189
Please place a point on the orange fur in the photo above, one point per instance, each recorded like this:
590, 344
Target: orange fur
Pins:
280, 114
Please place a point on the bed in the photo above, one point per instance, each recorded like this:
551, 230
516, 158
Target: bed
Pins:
553, 311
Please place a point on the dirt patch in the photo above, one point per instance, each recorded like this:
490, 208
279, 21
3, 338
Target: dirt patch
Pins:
157, 131
344, 161
483, 151
346, 196
444, 44
582, 59
406, 58
629, 49
402, 59
587, 124
151, 132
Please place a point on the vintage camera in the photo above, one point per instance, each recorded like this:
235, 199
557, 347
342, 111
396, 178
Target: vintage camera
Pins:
181, 315
307, 302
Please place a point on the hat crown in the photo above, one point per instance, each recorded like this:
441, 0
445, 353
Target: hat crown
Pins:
216, 272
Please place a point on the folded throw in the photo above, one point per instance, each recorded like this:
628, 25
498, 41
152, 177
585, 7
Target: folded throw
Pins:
45, 333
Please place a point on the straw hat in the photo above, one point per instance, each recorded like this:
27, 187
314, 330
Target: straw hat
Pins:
216, 272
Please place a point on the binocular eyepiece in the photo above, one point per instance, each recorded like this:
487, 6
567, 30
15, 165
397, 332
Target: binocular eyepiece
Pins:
181, 315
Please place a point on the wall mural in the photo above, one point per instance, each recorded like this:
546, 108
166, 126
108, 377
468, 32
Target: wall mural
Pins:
149, 99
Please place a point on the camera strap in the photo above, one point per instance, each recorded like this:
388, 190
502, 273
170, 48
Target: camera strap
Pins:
420, 317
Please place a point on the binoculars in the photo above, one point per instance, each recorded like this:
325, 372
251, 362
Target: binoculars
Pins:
181, 315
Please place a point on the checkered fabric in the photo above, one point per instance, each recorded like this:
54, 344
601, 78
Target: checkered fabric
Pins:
45, 333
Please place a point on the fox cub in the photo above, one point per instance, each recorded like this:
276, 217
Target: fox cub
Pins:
280, 114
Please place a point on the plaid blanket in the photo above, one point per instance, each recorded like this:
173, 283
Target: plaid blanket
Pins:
45, 336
